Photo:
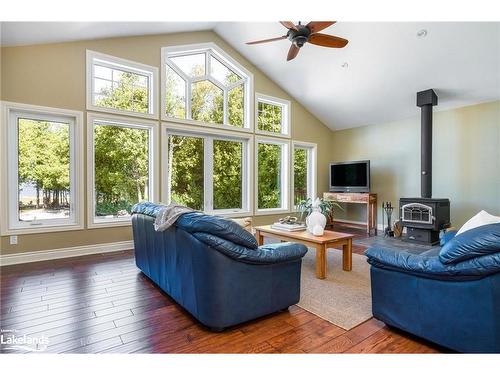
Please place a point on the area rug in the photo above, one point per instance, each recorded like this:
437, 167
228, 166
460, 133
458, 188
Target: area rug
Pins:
343, 298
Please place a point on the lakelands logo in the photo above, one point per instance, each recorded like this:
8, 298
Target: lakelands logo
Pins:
10, 340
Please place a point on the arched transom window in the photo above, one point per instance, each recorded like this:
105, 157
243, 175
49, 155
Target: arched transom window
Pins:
202, 84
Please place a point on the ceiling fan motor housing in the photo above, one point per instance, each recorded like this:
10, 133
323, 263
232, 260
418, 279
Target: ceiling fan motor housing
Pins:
300, 36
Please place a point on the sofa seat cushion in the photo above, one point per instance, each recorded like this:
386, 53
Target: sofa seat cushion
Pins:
428, 264
473, 243
229, 230
266, 254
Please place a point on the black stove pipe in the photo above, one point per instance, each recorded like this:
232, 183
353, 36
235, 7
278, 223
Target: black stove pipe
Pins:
426, 100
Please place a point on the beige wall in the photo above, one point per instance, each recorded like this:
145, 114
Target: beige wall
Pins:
54, 75
466, 159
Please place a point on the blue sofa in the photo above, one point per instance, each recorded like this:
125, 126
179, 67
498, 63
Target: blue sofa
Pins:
214, 268
448, 295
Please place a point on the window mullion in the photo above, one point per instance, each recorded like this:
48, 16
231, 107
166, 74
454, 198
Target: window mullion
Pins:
225, 107
283, 186
14, 170
188, 98
236, 84
177, 70
207, 64
72, 172
245, 176
208, 174
309, 172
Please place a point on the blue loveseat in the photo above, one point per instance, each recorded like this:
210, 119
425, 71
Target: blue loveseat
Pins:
448, 295
214, 268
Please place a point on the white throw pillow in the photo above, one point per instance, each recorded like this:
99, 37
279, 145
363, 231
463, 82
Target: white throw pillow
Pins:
482, 218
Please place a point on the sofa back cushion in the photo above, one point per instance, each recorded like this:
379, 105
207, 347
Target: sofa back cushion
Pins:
473, 243
223, 228
266, 254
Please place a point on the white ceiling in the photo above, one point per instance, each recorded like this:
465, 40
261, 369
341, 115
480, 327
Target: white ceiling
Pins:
26, 33
387, 62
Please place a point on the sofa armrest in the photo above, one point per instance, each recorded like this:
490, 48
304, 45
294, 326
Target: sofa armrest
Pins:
428, 265
473, 243
282, 251
265, 254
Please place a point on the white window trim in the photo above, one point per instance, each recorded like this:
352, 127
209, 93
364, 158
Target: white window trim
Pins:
210, 135
312, 170
127, 65
285, 105
10, 223
154, 165
285, 176
225, 59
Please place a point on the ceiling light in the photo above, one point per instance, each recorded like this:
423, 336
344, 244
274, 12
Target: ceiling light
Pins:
422, 33
345, 65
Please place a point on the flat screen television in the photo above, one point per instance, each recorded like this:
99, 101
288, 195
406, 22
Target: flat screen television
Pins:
350, 176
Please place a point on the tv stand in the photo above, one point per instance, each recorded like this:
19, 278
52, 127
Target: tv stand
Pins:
367, 199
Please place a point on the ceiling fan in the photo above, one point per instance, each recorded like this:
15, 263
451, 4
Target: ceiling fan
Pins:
301, 34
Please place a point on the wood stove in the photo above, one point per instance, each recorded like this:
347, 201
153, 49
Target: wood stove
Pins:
424, 217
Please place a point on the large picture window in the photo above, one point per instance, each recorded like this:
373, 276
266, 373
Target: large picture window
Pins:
203, 85
121, 168
120, 86
43, 167
304, 172
272, 167
208, 172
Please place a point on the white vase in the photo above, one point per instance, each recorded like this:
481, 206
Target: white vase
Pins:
318, 230
316, 221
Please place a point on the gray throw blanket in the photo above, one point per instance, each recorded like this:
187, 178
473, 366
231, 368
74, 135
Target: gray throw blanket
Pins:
168, 215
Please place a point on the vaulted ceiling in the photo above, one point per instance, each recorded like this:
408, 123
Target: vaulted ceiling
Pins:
372, 80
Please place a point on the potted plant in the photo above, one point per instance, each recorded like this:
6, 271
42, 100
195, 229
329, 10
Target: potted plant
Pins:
325, 207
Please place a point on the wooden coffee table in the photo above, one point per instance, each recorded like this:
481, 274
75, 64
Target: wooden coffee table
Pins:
320, 243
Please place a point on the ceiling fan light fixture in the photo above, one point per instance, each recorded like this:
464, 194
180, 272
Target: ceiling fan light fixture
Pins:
301, 34
299, 41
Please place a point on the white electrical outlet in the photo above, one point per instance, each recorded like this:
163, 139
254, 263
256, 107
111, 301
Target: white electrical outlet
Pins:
13, 240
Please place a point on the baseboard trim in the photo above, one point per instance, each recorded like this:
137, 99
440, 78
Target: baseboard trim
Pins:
68, 252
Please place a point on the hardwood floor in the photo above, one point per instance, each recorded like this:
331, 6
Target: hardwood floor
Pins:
104, 304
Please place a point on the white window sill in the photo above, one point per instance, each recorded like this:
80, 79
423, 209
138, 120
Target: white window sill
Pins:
41, 229
109, 223
271, 211
230, 215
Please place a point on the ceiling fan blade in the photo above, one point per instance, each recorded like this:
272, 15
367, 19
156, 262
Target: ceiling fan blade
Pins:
289, 25
267, 40
327, 40
316, 26
292, 52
